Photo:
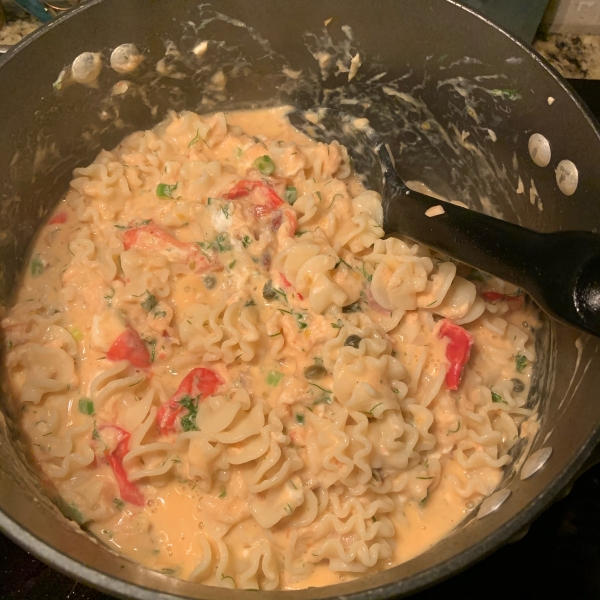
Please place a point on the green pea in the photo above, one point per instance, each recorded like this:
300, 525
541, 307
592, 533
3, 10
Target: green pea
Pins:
265, 165
86, 406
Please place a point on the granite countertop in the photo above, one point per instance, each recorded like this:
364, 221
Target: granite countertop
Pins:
15, 31
573, 56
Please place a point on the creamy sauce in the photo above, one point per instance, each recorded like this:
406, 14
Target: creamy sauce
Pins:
230, 377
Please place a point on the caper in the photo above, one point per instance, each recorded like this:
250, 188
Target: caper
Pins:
315, 372
518, 386
210, 281
353, 340
268, 291
350, 308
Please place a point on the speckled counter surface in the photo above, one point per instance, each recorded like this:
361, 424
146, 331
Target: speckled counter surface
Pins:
15, 31
573, 56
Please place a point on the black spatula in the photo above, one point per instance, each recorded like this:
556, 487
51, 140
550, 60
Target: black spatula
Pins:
561, 270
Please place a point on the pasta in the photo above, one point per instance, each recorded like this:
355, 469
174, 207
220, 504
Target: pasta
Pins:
233, 378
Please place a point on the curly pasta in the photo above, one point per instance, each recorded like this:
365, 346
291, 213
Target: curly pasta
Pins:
231, 377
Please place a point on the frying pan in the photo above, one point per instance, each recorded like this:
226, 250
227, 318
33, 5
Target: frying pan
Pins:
432, 72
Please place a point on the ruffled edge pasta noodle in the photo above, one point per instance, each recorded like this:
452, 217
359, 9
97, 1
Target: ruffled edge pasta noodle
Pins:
233, 378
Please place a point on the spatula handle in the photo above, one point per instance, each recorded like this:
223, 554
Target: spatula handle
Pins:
560, 270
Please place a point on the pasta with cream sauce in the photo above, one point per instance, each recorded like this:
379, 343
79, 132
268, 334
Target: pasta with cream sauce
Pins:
230, 376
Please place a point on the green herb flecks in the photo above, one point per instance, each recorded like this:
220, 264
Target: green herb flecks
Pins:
159, 314
274, 378
506, 93
454, 430
74, 514
246, 241
120, 505
223, 493
341, 261
57, 85
86, 406
195, 139
164, 190
109, 297
222, 243
370, 412
152, 344
333, 200
149, 303
290, 195
300, 418
498, 398
520, 362
476, 275
323, 399
338, 324
37, 267
366, 275
325, 390
188, 422
226, 208
300, 321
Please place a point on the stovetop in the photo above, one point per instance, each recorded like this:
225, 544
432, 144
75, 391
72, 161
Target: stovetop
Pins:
559, 558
